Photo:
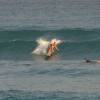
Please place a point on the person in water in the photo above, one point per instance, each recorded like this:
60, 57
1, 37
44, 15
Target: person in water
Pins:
92, 61
52, 47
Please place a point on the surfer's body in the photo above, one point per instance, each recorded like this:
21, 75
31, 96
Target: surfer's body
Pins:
52, 47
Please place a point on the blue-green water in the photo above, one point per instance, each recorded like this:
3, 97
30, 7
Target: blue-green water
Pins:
65, 76
49, 80
78, 44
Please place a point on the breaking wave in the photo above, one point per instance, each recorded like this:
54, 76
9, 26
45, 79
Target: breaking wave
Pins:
79, 43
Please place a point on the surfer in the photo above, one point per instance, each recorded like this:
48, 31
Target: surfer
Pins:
92, 61
52, 47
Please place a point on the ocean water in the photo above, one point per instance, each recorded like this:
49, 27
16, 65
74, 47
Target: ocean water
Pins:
66, 75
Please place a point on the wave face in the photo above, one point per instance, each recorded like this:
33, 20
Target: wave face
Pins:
79, 43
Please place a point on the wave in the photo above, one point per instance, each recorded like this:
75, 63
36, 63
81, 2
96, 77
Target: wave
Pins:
79, 43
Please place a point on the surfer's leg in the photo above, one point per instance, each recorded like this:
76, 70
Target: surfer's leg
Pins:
49, 51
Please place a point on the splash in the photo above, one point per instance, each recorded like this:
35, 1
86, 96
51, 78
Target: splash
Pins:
43, 44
